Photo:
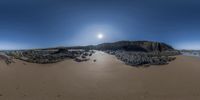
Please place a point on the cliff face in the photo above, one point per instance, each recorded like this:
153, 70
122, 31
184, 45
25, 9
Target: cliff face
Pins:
137, 53
133, 53
142, 46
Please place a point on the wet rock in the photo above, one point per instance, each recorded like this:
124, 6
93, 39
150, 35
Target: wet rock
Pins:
83, 56
49, 55
90, 54
142, 58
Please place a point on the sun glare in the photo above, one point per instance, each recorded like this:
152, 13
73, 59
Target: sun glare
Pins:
100, 36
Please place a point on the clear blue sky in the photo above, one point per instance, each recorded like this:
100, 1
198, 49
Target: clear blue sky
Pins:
50, 23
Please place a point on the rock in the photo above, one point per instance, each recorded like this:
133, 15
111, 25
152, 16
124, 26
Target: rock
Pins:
77, 59
141, 58
131, 52
24, 58
83, 56
90, 54
45, 56
80, 59
7, 59
137, 46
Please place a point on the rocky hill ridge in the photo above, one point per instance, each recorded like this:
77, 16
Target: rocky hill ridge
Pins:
140, 46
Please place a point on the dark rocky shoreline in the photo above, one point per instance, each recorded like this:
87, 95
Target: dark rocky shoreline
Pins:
134, 53
143, 58
50, 56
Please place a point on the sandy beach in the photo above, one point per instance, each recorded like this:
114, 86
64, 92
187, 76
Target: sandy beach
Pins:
105, 79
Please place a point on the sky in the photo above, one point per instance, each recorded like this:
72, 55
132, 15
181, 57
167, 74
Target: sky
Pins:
53, 23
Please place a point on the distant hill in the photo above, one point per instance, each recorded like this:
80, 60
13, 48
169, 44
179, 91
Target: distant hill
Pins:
144, 46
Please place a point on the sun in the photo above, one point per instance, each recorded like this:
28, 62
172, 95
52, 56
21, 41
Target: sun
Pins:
100, 36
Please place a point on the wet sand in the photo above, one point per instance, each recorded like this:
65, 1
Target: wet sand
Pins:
105, 79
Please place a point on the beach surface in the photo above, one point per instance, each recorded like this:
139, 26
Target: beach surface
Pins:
105, 79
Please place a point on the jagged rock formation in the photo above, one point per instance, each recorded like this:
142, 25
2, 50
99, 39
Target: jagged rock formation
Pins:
131, 52
137, 53
141, 46
44, 56
7, 59
142, 58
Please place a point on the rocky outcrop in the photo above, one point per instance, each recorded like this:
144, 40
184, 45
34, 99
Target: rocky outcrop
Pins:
45, 56
131, 52
141, 46
138, 53
142, 58
5, 58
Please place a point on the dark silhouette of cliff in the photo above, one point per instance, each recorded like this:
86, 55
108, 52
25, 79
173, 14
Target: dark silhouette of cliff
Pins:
141, 46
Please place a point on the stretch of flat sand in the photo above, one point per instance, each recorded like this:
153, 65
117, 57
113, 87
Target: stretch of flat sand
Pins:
105, 79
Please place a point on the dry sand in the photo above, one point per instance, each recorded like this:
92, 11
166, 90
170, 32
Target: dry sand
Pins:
105, 79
